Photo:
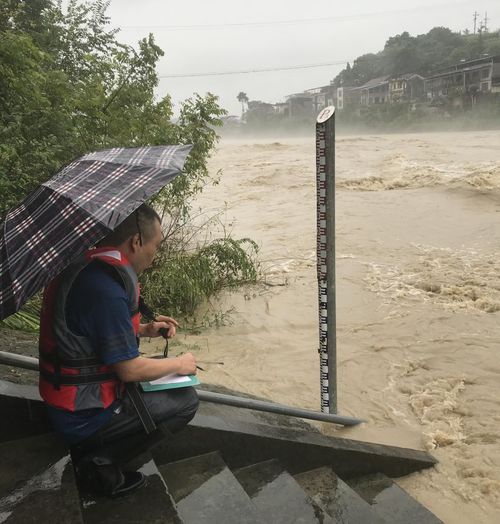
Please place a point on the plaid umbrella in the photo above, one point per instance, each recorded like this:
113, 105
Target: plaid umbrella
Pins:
74, 210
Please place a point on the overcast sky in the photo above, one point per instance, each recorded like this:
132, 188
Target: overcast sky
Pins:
207, 36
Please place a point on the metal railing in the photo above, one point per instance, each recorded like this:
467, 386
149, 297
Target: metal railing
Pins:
20, 361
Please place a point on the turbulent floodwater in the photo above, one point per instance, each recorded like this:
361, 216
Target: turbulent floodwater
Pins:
418, 297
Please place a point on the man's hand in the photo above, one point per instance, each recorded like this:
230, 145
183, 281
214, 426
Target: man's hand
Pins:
152, 329
142, 368
187, 364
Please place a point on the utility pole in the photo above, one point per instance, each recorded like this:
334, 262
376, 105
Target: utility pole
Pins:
474, 17
485, 26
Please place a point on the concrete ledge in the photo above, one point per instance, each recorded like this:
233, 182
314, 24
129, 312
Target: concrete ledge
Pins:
243, 443
242, 436
22, 411
9, 389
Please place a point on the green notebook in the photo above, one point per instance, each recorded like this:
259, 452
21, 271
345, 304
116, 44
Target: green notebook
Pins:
170, 382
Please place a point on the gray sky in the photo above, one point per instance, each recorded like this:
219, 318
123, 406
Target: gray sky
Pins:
262, 34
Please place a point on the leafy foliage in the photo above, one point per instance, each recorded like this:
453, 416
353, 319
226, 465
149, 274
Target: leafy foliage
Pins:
67, 86
243, 99
189, 278
25, 320
404, 117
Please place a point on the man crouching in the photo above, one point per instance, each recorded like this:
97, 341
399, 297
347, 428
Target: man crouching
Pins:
89, 351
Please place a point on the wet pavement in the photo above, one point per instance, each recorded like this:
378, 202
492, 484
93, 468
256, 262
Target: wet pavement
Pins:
336, 497
205, 490
391, 502
37, 482
278, 497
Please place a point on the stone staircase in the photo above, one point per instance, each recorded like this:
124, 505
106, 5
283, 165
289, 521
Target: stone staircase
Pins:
229, 466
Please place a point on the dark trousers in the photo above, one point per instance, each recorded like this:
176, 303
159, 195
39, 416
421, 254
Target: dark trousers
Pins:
123, 437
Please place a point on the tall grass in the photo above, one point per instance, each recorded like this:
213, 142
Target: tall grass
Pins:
183, 280
27, 319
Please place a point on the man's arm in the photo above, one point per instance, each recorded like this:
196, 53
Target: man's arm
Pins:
146, 369
152, 329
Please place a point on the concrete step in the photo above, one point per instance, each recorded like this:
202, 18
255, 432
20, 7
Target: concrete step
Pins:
38, 466
278, 497
151, 503
390, 501
243, 443
339, 500
37, 482
205, 490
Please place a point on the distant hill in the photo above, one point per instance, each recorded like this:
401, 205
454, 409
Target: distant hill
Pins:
421, 54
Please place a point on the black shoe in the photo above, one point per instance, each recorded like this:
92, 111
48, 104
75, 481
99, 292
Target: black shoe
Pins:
100, 476
132, 480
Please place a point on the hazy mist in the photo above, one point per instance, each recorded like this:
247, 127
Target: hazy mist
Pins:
266, 41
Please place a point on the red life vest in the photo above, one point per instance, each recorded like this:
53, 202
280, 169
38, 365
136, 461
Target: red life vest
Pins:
72, 376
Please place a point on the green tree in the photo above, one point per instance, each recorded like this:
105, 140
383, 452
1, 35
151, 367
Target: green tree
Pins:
421, 54
36, 133
243, 99
364, 68
401, 55
68, 86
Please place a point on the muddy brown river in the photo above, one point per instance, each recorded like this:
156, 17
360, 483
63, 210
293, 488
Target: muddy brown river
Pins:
418, 297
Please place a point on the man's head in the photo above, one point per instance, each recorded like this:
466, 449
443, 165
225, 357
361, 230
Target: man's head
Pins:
138, 237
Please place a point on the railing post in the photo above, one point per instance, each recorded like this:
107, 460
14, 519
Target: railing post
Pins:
325, 194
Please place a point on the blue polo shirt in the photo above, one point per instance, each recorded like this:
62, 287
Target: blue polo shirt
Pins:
97, 307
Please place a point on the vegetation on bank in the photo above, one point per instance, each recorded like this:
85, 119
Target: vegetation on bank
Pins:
68, 87
421, 117
386, 118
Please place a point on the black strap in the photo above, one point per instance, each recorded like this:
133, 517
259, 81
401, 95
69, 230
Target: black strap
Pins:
140, 407
76, 380
80, 362
150, 316
57, 372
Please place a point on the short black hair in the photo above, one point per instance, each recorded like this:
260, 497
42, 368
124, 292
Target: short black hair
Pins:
140, 221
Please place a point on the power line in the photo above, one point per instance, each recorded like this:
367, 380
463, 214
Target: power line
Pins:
326, 19
264, 70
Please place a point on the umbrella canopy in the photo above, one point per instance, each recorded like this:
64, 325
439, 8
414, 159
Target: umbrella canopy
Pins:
75, 209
